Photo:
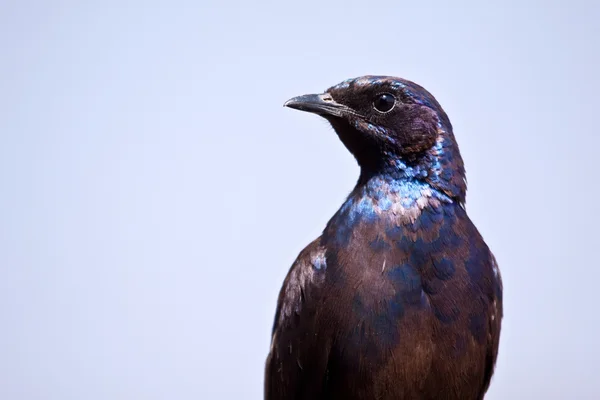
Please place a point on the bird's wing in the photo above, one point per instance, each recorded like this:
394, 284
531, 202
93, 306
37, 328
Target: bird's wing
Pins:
297, 362
494, 324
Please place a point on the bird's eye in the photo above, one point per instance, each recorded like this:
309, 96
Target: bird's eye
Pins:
384, 102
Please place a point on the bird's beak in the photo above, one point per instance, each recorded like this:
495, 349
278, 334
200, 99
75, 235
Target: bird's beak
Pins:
322, 104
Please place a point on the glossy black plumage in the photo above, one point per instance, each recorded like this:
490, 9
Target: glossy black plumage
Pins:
400, 297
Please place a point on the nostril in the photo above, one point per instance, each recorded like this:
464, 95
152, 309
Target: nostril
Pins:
327, 98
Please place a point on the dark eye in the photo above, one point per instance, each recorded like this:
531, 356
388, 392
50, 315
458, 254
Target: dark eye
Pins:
384, 102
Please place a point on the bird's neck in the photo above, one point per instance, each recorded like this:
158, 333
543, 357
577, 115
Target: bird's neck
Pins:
393, 169
398, 192
440, 169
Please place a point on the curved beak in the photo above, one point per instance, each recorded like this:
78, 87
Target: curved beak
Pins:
322, 104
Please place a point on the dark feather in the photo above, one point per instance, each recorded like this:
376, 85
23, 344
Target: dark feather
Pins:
400, 298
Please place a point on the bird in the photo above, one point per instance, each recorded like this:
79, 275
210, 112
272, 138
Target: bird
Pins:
400, 297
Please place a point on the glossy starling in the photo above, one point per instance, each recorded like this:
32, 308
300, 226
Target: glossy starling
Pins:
400, 297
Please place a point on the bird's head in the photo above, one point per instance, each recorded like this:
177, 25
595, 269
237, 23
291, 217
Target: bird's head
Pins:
392, 126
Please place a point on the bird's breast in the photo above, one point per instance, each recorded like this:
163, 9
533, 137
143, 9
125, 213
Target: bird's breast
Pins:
413, 285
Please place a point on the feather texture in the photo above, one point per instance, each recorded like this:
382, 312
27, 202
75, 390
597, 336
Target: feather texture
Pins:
400, 298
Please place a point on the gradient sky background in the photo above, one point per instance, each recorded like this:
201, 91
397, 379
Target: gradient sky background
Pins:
154, 192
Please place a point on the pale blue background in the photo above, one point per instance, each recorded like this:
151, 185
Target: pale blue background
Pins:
154, 192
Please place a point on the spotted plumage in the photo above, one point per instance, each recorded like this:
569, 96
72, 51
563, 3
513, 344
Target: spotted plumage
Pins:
400, 297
